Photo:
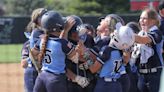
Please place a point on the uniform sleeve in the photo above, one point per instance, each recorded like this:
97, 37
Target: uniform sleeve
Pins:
67, 47
35, 37
104, 55
156, 36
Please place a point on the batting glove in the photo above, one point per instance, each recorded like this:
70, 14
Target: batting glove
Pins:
82, 81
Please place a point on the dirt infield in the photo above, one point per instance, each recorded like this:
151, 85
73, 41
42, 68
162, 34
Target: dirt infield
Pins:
11, 78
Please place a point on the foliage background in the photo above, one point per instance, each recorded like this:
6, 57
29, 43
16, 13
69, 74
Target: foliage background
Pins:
66, 7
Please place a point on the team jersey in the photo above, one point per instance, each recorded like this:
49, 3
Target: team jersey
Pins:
162, 26
113, 62
56, 51
35, 36
100, 43
150, 54
89, 43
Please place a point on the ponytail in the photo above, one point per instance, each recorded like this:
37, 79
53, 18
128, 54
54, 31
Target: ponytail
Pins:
43, 47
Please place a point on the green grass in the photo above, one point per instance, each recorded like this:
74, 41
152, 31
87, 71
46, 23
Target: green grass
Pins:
10, 53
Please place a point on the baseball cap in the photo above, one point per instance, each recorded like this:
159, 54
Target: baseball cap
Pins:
161, 5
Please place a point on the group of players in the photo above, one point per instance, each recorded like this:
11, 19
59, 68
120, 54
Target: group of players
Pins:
74, 57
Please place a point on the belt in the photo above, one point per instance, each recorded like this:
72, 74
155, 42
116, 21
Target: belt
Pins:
145, 71
53, 72
109, 79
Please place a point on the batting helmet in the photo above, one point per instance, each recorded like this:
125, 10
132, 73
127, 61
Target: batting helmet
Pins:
116, 21
52, 21
123, 38
78, 22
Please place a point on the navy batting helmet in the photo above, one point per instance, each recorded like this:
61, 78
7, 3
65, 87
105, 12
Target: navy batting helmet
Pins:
78, 22
52, 21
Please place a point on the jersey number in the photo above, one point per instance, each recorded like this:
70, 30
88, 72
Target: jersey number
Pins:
118, 64
47, 57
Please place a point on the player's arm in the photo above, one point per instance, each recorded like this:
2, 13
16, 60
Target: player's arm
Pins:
69, 23
142, 39
126, 55
24, 63
98, 60
24, 56
82, 81
95, 67
70, 74
152, 37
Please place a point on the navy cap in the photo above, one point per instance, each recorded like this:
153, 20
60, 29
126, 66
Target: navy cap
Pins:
161, 5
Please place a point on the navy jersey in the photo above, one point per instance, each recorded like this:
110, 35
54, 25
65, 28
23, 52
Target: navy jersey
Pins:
56, 51
89, 43
156, 59
161, 28
113, 62
100, 43
35, 36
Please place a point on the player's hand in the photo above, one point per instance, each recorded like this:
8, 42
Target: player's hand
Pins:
84, 66
82, 81
69, 23
80, 48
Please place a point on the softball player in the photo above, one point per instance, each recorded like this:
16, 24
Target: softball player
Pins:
33, 32
131, 67
30, 72
149, 42
114, 23
109, 60
35, 20
80, 76
53, 52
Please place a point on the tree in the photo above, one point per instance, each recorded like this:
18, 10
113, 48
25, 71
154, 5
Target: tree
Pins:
68, 7
22, 7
